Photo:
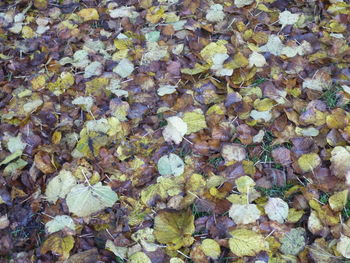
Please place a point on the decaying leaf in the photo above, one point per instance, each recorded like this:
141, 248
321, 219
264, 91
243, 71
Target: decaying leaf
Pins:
58, 223
244, 214
171, 165
338, 200
246, 242
293, 242
277, 209
60, 186
343, 246
195, 121
58, 244
233, 152
85, 200
340, 161
211, 248
175, 130
174, 228
309, 161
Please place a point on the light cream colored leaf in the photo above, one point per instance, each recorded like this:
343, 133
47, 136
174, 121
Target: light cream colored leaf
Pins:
175, 130
277, 209
85, 102
85, 200
120, 252
274, 45
32, 105
287, 18
314, 224
257, 60
60, 186
233, 152
58, 223
215, 13
244, 214
340, 161
241, 3
343, 246
124, 68
171, 165
16, 144
93, 69
166, 89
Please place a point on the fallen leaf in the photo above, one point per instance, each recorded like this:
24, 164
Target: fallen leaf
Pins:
233, 152
60, 186
195, 121
175, 130
171, 165
215, 13
85, 200
343, 246
293, 242
309, 161
338, 200
139, 257
89, 14
58, 223
277, 210
211, 248
244, 214
246, 242
174, 228
340, 161
58, 244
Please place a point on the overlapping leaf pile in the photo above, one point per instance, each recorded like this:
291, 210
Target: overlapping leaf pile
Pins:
174, 131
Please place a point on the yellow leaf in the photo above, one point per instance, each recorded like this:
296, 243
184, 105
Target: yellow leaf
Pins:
154, 14
89, 14
324, 213
213, 48
264, 104
309, 161
58, 245
245, 184
139, 257
96, 86
174, 228
294, 215
338, 201
56, 137
247, 243
248, 167
195, 121
237, 199
211, 248
123, 44
90, 143
198, 68
335, 27
27, 32
40, 4
338, 119
239, 61
38, 82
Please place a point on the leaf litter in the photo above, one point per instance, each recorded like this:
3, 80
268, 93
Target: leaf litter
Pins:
174, 131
